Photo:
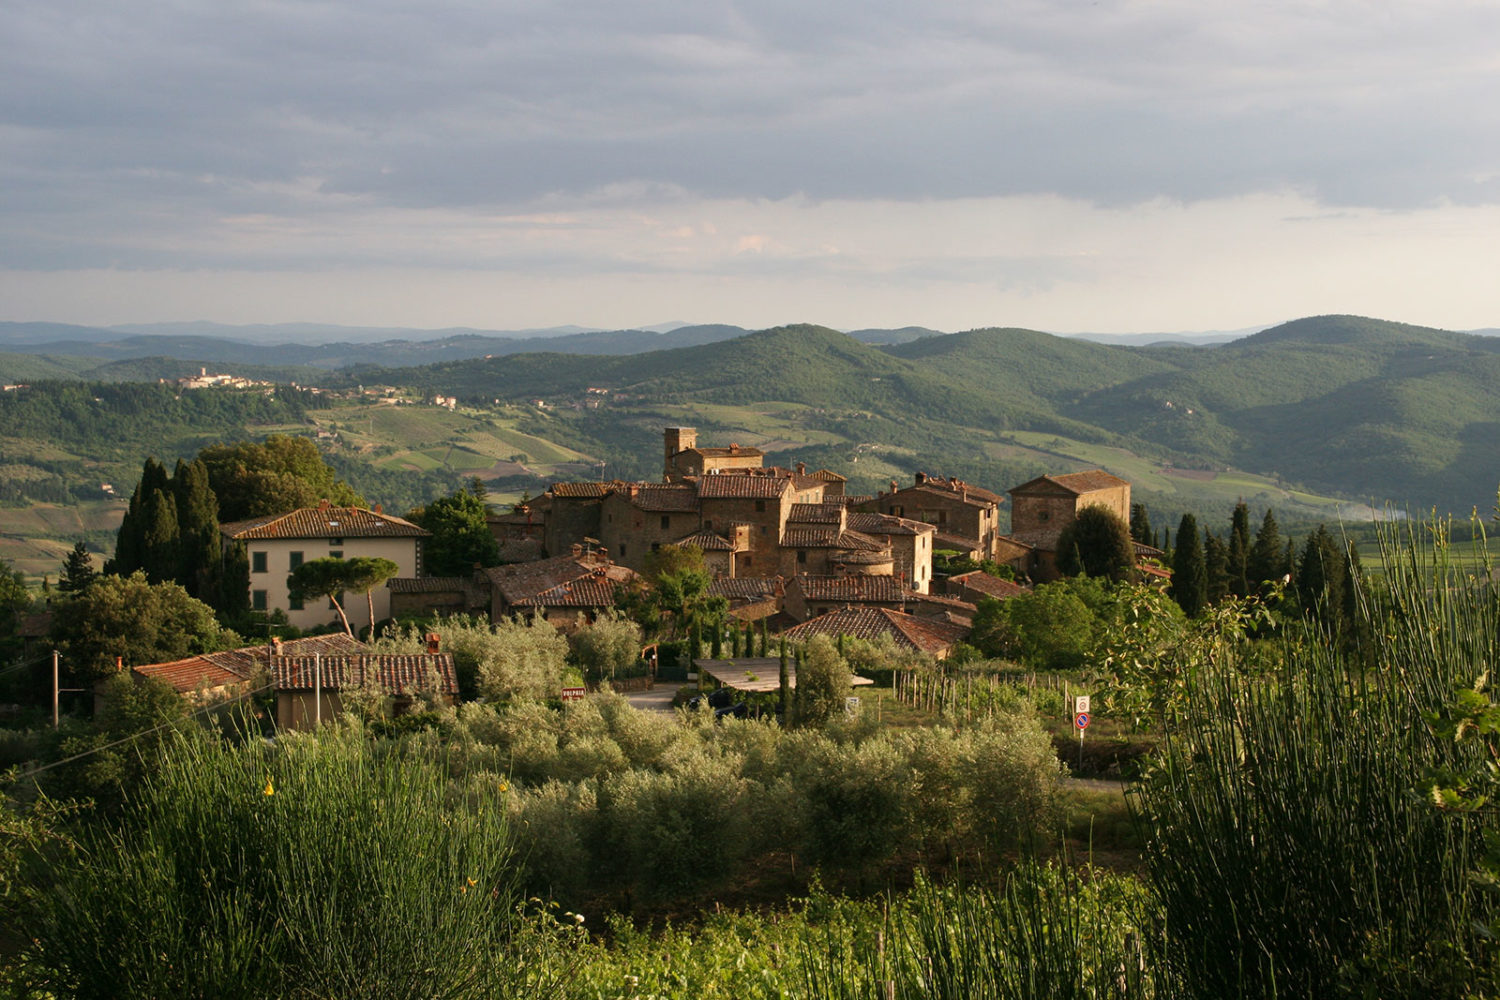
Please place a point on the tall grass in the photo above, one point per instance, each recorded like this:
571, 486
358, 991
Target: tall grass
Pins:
1289, 850
322, 868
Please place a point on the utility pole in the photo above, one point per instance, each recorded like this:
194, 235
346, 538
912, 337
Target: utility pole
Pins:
318, 690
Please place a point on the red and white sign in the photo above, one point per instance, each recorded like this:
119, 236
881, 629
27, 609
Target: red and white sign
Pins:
574, 694
1081, 720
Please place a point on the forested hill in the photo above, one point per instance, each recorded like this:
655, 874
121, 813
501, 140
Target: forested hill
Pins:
1365, 408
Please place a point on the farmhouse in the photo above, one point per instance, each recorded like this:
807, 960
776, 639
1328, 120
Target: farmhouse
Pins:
279, 543
1042, 508
966, 518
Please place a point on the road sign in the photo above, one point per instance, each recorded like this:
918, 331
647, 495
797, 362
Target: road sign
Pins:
1081, 704
1081, 720
851, 706
574, 694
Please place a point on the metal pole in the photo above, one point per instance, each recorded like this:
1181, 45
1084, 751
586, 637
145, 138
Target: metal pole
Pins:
54, 689
318, 689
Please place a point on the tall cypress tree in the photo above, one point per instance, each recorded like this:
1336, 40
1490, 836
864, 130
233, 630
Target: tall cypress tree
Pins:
130, 554
1189, 573
1140, 524
1216, 566
160, 537
200, 550
1266, 560
1238, 554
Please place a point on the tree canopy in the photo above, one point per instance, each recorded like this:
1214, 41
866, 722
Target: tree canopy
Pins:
281, 473
461, 536
134, 619
1097, 543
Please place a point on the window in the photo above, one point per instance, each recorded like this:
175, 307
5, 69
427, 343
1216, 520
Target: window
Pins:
897, 509
294, 603
257, 562
335, 553
296, 559
747, 562
666, 522
336, 541
622, 550
802, 555
257, 600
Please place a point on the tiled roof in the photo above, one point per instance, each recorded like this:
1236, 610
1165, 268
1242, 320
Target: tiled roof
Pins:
661, 497
829, 538
1072, 482
873, 558
888, 524
982, 582
857, 499
828, 476
854, 589
909, 631
233, 665
585, 592
426, 584
948, 540
970, 495
324, 522
1144, 551
708, 541
731, 487
574, 491
522, 583
817, 513
397, 674
747, 587
733, 451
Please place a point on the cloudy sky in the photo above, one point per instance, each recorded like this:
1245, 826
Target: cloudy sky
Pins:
1069, 165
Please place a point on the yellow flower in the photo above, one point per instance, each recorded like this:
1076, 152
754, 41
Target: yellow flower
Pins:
269, 790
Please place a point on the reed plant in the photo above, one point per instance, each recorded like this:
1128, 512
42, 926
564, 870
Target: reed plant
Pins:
312, 868
1290, 851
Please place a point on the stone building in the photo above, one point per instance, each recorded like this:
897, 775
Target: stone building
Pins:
1044, 507
967, 518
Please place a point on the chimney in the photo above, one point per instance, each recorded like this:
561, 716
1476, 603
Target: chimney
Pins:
119, 663
893, 486
434, 643
379, 509
920, 478
734, 449
601, 556
323, 504
276, 645
577, 550
801, 468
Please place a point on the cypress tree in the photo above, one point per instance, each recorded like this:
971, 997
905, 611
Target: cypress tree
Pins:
200, 550
1140, 524
1216, 566
1189, 574
230, 586
1266, 560
784, 678
1238, 554
160, 537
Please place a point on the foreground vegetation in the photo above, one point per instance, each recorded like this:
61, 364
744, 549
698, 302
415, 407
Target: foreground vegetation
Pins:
1316, 822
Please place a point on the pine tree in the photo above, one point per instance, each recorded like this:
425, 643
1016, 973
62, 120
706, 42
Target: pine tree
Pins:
1238, 554
78, 570
1189, 574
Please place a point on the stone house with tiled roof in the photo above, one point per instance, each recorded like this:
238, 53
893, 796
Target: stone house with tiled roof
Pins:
683, 459
310, 688
967, 518
978, 585
279, 543
1044, 507
211, 677
932, 637
567, 591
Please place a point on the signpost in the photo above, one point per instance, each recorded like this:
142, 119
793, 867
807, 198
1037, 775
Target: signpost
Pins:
574, 693
1081, 721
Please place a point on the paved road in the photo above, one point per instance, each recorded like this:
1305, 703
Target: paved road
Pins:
658, 699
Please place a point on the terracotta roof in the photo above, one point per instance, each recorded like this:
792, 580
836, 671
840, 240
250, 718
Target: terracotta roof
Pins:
854, 589
817, 513
325, 522
397, 673
888, 524
231, 666
980, 581
426, 584
1156, 571
909, 631
523, 583
733, 451
585, 592
830, 538
856, 499
729, 487
970, 495
573, 491
881, 558
828, 476
1076, 483
747, 587
1144, 551
948, 540
660, 497
708, 541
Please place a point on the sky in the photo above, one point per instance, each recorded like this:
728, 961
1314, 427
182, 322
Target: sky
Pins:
1071, 165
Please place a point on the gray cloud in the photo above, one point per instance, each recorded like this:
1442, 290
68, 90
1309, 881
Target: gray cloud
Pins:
124, 124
